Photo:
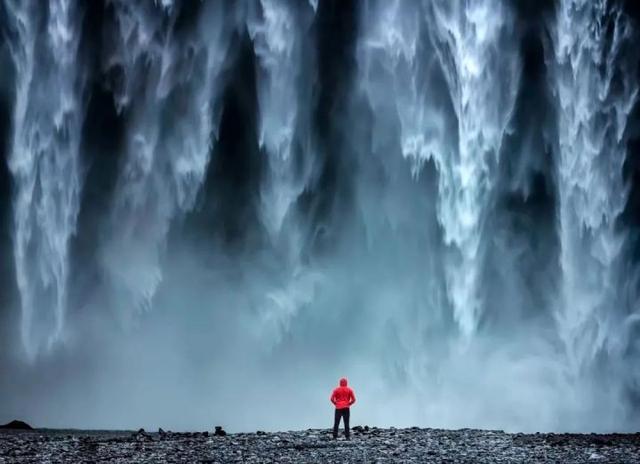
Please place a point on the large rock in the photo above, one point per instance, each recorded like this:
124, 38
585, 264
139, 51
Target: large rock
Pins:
141, 435
16, 425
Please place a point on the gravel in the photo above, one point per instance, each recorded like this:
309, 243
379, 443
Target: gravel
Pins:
367, 445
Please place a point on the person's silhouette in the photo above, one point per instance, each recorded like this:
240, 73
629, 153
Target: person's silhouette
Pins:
342, 397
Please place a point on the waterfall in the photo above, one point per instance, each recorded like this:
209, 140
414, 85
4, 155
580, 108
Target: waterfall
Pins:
278, 31
45, 159
475, 46
168, 83
435, 198
596, 91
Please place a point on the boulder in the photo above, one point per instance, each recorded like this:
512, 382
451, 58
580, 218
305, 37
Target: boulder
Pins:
16, 425
219, 431
141, 435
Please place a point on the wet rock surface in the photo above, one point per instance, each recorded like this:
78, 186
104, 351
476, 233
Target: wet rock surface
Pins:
367, 445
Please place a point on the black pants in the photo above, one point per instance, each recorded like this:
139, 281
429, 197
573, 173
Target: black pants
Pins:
344, 414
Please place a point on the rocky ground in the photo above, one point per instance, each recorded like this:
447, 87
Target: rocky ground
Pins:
367, 445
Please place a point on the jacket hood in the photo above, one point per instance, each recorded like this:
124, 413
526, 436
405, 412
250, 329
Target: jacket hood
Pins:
343, 382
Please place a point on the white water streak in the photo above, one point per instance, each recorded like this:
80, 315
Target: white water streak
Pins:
593, 114
45, 162
169, 91
277, 29
476, 48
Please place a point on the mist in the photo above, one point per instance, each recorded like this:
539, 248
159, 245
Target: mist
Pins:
210, 211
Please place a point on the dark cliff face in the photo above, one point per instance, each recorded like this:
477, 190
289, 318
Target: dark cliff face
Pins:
227, 208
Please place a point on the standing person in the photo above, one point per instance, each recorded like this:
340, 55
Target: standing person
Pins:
342, 398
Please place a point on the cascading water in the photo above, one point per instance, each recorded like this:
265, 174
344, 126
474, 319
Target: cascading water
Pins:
280, 59
596, 92
475, 45
45, 160
280, 34
167, 85
301, 190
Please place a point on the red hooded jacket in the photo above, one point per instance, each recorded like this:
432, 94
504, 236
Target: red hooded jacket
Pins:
343, 396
